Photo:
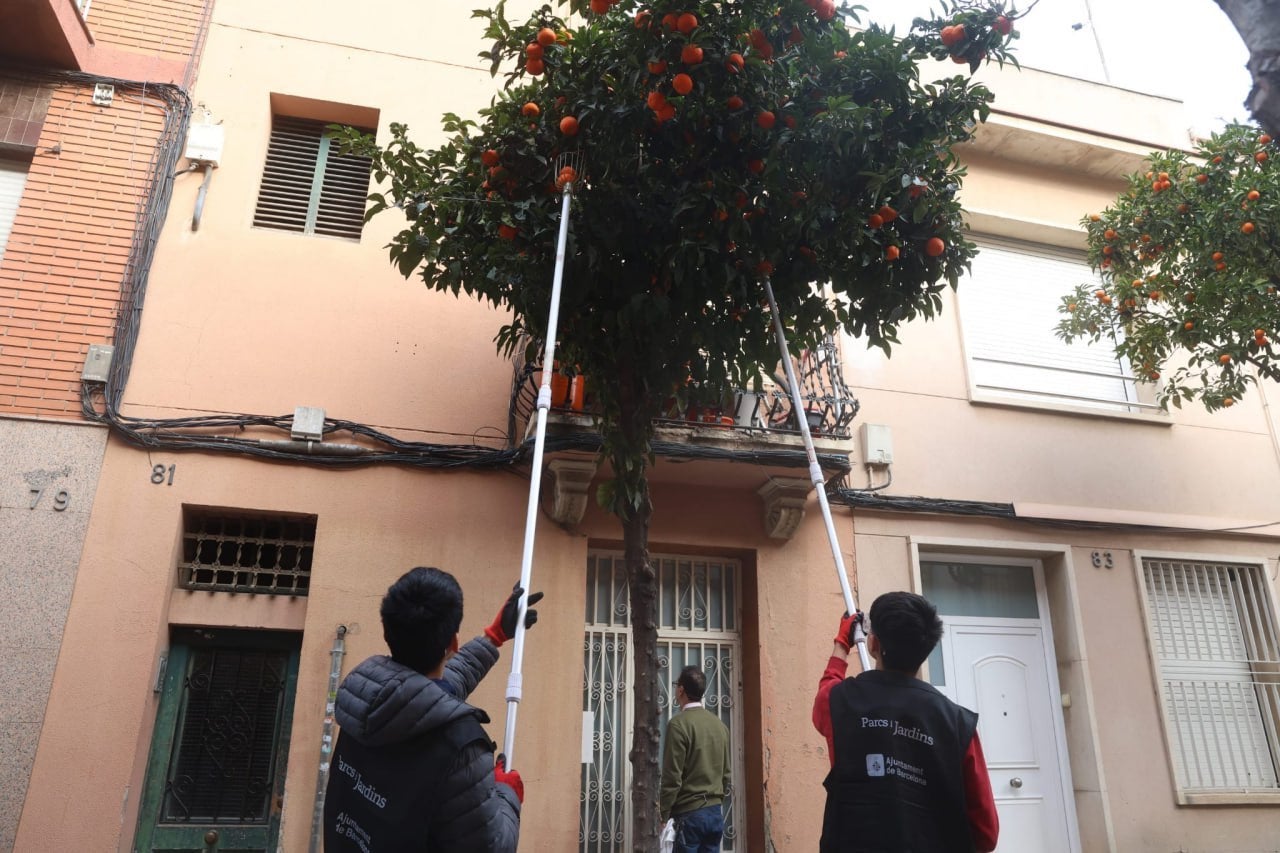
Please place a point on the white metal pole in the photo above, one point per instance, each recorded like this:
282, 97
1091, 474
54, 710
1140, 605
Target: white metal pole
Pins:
515, 681
815, 475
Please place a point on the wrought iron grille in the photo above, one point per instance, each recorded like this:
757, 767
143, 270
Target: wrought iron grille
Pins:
245, 552
698, 622
829, 405
223, 763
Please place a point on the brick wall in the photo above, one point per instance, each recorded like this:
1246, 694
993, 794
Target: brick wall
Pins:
62, 269
164, 28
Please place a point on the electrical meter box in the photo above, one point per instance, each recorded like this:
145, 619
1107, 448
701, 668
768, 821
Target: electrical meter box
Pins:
204, 143
877, 444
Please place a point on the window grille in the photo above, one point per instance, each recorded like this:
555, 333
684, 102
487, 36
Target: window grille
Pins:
307, 186
1214, 637
698, 622
1009, 305
240, 552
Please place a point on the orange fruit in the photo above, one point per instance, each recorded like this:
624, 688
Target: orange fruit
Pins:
1164, 176
1264, 139
670, 20
687, 23
656, 100
875, 220
953, 35
569, 126
764, 268
887, 213
1259, 333
599, 6
546, 36
1217, 161
1225, 358
1227, 402
734, 102
533, 50
1184, 208
1219, 266
682, 83
1202, 178
1261, 156
657, 66
1109, 234
735, 63
1253, 195
765, 119
934, 247
1107, 250
1247, 228
507, 232
535, 67
1217, 256
891, 253
755, 166
1002, 25
530, 110
642, 19
1188, 325
1093, 217
691, 54
490, 158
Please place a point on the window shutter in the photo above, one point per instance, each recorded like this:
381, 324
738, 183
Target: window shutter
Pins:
13, 177
307, 186
1009, 306
1213, 633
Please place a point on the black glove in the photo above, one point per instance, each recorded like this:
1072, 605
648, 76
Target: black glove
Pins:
504, 624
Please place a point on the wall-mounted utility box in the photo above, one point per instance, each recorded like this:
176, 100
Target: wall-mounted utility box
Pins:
308, 424
204, 144
877, 444
97, 363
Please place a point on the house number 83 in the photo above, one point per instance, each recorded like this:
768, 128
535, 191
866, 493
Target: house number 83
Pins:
1102, 560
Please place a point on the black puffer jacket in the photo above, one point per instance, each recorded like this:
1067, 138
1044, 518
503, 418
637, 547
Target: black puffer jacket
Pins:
413, 769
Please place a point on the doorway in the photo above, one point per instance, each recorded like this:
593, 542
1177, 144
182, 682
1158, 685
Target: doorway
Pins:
996, 657
215, 774
699, 621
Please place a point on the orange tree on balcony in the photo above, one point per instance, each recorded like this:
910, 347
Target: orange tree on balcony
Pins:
1189, 259
711, 144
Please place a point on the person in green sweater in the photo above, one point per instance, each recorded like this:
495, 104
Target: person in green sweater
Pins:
695, 768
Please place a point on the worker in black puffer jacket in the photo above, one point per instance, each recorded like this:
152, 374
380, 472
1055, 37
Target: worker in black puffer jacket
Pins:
413, 769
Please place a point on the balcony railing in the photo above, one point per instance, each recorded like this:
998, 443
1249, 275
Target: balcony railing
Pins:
829, 407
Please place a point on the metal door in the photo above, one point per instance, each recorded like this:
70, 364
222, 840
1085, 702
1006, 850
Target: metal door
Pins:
698, 622
215, 776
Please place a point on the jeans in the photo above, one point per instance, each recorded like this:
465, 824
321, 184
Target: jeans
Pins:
699, 831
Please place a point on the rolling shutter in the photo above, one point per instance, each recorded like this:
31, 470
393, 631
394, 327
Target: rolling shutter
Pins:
13, 177
1009, 308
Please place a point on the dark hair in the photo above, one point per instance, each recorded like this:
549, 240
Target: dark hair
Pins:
693, 682
421, 613
908, 628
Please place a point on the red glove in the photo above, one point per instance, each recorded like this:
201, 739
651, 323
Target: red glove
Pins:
508, 777
844, 636
504, 624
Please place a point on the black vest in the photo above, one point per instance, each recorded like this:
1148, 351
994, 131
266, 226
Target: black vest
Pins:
383, 799
897, 784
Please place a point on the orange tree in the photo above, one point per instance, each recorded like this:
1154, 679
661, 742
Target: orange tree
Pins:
1189, 259
712, 144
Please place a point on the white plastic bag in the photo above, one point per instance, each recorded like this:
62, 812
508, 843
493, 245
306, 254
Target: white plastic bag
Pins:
667, 839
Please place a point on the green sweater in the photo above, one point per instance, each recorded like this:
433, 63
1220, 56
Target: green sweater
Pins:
695, 762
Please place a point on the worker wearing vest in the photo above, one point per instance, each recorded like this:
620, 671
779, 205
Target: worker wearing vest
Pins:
907, 771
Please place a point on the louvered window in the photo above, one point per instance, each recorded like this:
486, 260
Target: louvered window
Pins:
13, 177
308, 186
1214, 639
1009, 309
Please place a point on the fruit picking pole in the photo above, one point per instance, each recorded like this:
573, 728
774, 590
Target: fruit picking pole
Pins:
815, 475
515, 679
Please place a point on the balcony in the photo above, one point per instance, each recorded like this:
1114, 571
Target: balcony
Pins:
755, 430
44, 32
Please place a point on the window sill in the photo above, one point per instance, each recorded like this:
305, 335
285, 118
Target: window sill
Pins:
1244, 797
1154, 417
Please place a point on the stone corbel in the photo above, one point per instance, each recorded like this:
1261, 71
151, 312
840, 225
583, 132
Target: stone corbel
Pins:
784, 502
571, 481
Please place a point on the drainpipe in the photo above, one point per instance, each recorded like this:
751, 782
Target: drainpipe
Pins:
326, 738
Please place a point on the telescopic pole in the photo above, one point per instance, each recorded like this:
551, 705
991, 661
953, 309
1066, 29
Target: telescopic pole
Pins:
515, 679
815, 475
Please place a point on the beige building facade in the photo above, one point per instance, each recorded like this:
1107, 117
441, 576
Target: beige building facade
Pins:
1106, 571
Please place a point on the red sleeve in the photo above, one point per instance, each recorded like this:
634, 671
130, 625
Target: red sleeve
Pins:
984, 822
835, 672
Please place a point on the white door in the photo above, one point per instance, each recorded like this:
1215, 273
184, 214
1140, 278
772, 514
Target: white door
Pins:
1000, 673
995, 659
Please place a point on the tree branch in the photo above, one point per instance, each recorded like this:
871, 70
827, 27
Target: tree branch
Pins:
1258, 22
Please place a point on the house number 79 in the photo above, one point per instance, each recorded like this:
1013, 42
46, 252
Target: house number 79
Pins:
60, 500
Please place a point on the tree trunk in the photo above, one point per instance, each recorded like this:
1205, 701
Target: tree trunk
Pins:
643, 588
1258, 22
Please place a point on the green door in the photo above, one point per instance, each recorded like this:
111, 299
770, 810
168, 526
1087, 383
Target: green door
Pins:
215, 776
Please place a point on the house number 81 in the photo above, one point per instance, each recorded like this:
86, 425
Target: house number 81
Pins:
1102, 560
